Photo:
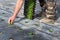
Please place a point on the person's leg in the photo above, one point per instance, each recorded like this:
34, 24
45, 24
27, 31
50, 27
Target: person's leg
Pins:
29, 9
42, 5
49, 11
42, 2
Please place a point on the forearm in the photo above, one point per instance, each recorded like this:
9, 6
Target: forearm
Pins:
18, 7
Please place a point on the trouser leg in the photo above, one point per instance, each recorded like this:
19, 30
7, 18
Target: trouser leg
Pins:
50, 9
42, 5
29, 8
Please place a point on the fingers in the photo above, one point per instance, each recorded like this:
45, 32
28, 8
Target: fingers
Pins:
10, 21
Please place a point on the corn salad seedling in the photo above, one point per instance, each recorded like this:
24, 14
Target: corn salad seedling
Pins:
19, 29
50, 30
31, 34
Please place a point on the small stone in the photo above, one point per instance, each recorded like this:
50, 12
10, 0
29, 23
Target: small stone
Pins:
26, 21
2, 19
3, 13
17, 17
0, 32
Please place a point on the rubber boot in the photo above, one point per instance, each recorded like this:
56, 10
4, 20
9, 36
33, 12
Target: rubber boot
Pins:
50, 11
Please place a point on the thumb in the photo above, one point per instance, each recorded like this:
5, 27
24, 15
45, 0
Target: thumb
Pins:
8, 21
11, 21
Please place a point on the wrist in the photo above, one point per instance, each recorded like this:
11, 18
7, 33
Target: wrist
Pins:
14, 15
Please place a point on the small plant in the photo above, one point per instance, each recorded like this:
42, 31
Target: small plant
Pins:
31, 34
50, 30
19, 29
36, 24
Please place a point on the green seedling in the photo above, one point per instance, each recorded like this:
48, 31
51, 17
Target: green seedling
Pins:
19, 29
50, 30
36, 24
31, 34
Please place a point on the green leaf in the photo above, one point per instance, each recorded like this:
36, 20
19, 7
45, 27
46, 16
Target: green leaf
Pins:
50, 30
31, 34
36, 24
19, 29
